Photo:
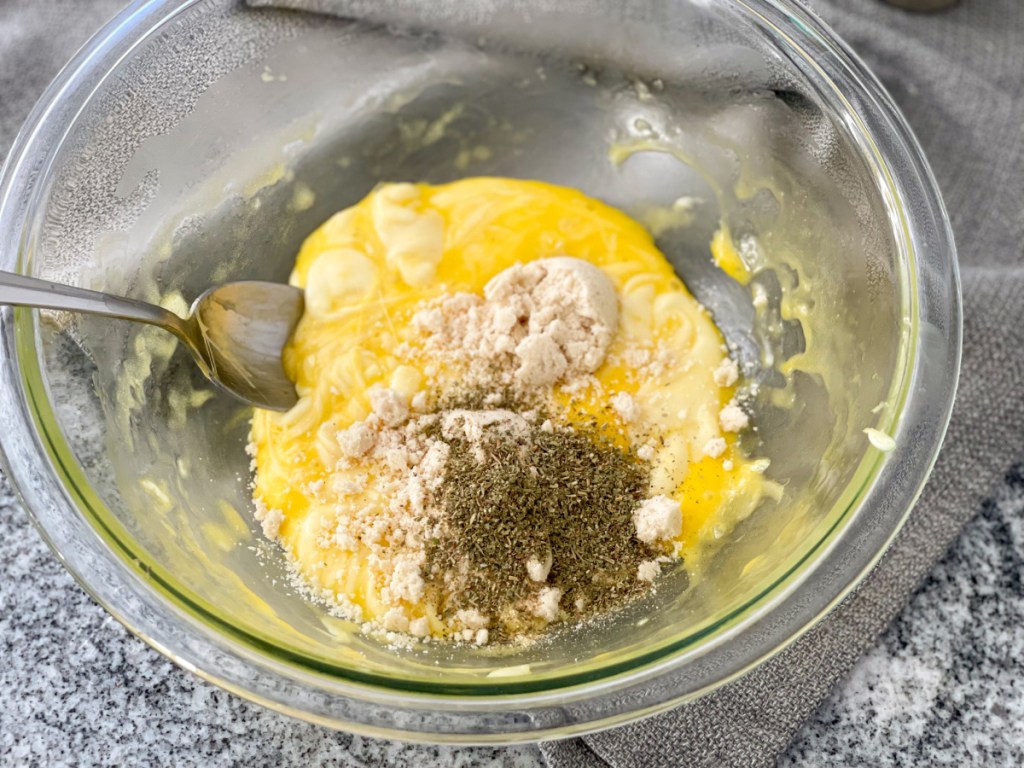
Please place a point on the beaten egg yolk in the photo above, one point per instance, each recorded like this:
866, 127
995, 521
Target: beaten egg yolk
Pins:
369, 268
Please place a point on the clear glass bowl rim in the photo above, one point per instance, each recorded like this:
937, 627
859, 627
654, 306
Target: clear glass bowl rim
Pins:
605, 702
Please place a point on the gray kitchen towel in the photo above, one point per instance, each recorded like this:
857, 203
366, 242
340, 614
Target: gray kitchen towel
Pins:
958, 76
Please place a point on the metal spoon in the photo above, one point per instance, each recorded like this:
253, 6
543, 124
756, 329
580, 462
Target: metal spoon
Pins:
236, 332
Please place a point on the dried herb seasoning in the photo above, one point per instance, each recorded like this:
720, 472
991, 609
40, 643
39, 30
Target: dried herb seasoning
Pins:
565, 492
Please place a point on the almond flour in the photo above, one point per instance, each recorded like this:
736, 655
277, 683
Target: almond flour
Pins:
484, 505
537, 324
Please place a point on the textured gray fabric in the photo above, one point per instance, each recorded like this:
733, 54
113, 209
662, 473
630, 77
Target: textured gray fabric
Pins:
959, 77
39, 57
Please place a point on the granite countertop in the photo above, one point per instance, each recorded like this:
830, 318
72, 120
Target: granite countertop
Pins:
944, 684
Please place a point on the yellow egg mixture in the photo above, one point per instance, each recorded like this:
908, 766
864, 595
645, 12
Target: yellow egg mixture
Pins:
367, 271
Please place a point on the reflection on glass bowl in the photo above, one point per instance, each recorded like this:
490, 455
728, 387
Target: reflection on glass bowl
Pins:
192, 143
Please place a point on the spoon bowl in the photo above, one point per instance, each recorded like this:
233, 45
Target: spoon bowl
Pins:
241, 329
236, 332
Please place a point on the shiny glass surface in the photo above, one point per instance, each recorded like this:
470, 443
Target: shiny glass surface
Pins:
191, 143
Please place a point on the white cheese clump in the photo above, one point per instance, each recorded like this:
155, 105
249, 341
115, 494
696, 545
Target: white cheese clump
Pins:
715, 447
547, 603
356, 440
626, 407
727, 373
648, 570
419, 627
391, 407
538, 569
657, 519
472, 619
733, 418
270, 519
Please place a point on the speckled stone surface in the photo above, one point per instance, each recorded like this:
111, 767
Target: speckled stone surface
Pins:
944, 685
77, 689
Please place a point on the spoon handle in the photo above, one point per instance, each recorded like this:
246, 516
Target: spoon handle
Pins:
33, 292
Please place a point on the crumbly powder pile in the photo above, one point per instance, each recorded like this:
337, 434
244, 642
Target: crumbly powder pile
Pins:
486, 508
408, 468
502, 520
538, 323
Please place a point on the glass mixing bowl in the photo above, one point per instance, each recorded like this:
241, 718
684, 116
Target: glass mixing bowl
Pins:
194, 142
